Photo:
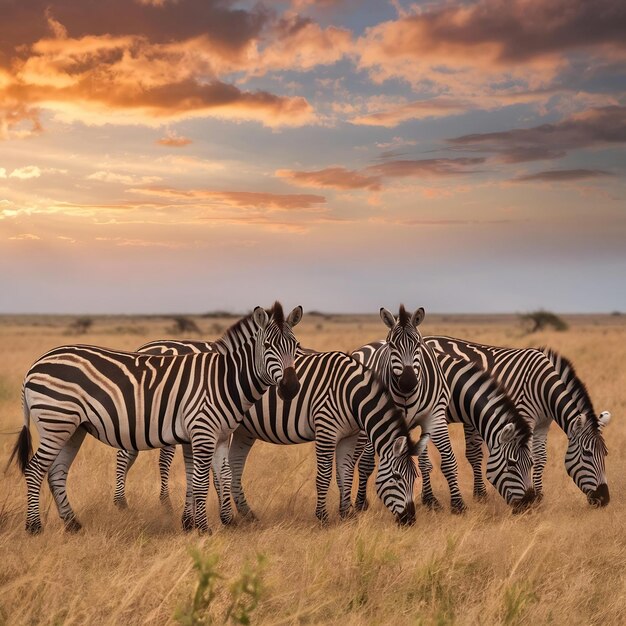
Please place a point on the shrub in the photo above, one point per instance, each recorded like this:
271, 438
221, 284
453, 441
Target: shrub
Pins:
80, 325
245, 592
184, 324
540, 320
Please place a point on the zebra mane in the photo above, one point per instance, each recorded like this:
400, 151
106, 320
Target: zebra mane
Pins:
404, 317
573, 384
241, 330
377, 383
493, 387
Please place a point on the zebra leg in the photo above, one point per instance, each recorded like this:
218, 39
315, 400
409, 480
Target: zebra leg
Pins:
426, 467
166, 455
50, 445
240, 447
188, 511
474, 455
203, 450
324, 456
57, 479
540, 458
222, 479
124, 461
441, 438
345, 459
367, 463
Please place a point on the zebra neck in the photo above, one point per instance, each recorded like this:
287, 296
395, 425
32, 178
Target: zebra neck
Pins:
242, 381
560, 405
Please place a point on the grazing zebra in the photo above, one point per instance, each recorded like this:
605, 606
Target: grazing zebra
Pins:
544, 387
338, 399
138, 402
412, 373
481, 404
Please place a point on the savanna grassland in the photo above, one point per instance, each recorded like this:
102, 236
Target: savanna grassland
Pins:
563, 563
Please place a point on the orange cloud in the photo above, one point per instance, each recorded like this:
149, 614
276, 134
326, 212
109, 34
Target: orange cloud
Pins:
489, 45
240, 199
332, 177
174, 140
420, 109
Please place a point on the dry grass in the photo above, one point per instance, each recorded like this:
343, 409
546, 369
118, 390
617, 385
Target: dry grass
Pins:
563, 563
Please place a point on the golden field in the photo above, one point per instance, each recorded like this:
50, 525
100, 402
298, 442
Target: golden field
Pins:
562, 563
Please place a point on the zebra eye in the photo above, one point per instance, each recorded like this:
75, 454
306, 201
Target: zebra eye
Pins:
511, 463
267, 345
588, 454
397, 476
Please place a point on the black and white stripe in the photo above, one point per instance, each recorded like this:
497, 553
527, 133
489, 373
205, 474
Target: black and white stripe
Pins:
339, 398
544, 387
409, 367
481, 404
137, 402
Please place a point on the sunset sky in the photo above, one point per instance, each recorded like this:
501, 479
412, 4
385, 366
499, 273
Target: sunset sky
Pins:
192, 155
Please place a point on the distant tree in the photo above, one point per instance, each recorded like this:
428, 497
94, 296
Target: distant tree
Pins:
536, 321
80, 325
184, 324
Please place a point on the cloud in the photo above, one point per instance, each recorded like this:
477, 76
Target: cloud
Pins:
498, 45
123, 179
239, 199
595, 127
425, 168
396, 142
25, 237
332, 177
24, 173
17, 120
558, 176
420, 109
173, 140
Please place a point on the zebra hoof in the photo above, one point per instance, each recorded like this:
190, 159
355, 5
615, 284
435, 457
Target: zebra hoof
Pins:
166, 503
362, 505
249, 516
538, 497
121, 503
227, 520
480, 496
348, 513
34, 528
188, 523
204, 531
432, 504
458, 508
322, 517
72, 525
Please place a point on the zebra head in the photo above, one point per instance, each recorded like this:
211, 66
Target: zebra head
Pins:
405, 349
396, 477
584, 458
509, 467
276, 348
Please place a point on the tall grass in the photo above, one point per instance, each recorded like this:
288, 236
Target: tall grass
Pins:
563, 563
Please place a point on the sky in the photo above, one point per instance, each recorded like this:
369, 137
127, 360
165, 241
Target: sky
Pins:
192, 155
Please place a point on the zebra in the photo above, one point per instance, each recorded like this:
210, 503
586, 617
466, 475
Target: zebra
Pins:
414, 377
544, 387
339, 398
480, 403
138, 401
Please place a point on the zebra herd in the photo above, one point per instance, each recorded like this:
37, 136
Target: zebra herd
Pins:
216, 399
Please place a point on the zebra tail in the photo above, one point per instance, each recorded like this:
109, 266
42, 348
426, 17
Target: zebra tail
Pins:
23, 449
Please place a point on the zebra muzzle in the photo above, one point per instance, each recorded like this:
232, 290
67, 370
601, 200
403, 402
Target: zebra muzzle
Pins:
408, 380
600, 496
289, 385
407, 517
521, 505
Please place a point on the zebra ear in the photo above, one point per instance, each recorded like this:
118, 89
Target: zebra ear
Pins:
577, 426
294, 317
260, 316
603, 419
387, 317
418, 317
400, 446
507, 434
420, 445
